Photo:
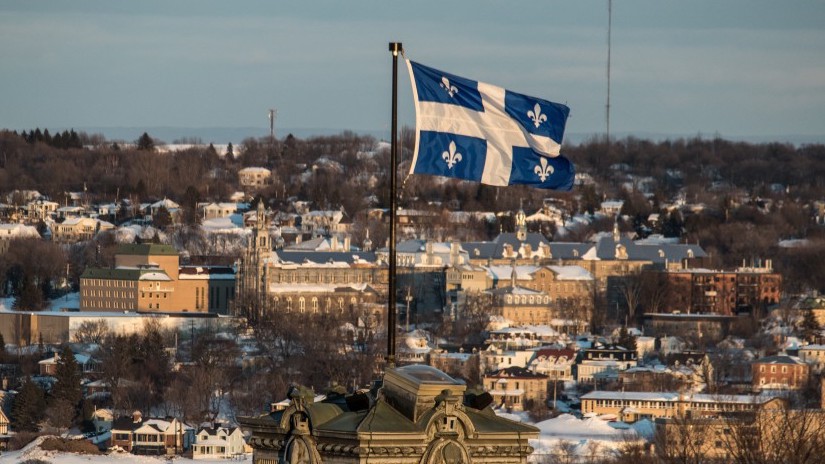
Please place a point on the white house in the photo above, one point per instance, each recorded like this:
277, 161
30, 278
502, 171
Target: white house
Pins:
218, 442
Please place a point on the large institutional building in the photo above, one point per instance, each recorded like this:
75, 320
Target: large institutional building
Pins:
148, 278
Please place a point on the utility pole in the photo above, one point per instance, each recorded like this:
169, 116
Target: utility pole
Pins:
408, 298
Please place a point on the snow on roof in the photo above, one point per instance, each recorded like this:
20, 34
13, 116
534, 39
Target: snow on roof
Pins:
155, 276
504, 272
813, 347
591, 255
674, 397
17, 230
315, 288
252, 170
571, 273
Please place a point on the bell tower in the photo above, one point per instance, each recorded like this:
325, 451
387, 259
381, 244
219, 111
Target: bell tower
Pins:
521, 224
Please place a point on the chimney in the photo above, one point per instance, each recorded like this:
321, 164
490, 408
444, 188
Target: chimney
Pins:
137, 417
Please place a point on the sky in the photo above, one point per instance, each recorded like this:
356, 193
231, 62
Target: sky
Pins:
735, 68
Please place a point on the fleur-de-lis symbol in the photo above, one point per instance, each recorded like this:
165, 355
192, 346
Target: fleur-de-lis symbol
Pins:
451, 89
536, 116
544, 171
451, 157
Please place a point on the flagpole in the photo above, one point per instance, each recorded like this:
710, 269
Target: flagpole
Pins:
395, 49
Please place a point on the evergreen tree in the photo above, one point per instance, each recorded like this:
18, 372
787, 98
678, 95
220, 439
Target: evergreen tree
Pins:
162, 218
811, 329
230, 151
145, 143
28, 409
67, 374
189, 206
626, 340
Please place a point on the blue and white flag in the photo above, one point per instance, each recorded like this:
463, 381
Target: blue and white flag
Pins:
475, 131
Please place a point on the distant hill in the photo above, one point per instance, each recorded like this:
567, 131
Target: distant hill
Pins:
235, 135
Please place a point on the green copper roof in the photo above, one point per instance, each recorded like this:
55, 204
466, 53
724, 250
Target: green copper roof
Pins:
381, 418
117, 274
145, 249
486, 421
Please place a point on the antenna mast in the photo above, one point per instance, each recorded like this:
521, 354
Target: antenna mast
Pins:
273, 113
609, 32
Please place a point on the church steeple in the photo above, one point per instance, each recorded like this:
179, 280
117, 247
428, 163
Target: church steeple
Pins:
521, 223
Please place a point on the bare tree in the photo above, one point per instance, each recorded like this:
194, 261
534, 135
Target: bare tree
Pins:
682, 440
794, 436
91, 332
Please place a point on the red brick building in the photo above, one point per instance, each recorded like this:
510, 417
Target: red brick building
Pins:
697, 290
780, 372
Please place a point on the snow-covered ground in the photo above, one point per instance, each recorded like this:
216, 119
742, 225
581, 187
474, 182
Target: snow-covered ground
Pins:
66, 302
33, 451
591, 436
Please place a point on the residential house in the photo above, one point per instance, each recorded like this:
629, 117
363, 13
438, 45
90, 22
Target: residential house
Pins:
85, 363
41, 209
495, 358
814, 355
604, 363
218, 210
79, 229
254, 177
151, 436
462, 364
102, 420
9, 232
516, 388
555, 363
780, 372
218, 443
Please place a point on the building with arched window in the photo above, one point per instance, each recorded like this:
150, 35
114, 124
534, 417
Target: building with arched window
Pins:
421, 415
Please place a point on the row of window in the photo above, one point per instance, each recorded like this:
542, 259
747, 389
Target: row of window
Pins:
109, 305
105, 294
314, 303
322, 278
109, 283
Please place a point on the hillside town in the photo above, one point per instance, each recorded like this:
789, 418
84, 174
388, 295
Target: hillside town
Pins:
224, 302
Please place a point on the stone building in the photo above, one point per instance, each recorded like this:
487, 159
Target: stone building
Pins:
419, 416
306, 280
149, 278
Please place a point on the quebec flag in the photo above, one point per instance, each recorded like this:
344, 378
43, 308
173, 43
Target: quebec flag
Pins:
475, 131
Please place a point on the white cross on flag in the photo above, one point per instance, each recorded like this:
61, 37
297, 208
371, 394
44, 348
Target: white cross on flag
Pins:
475, 131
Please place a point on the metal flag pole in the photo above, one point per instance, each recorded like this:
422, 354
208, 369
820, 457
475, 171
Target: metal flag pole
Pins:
395, 49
